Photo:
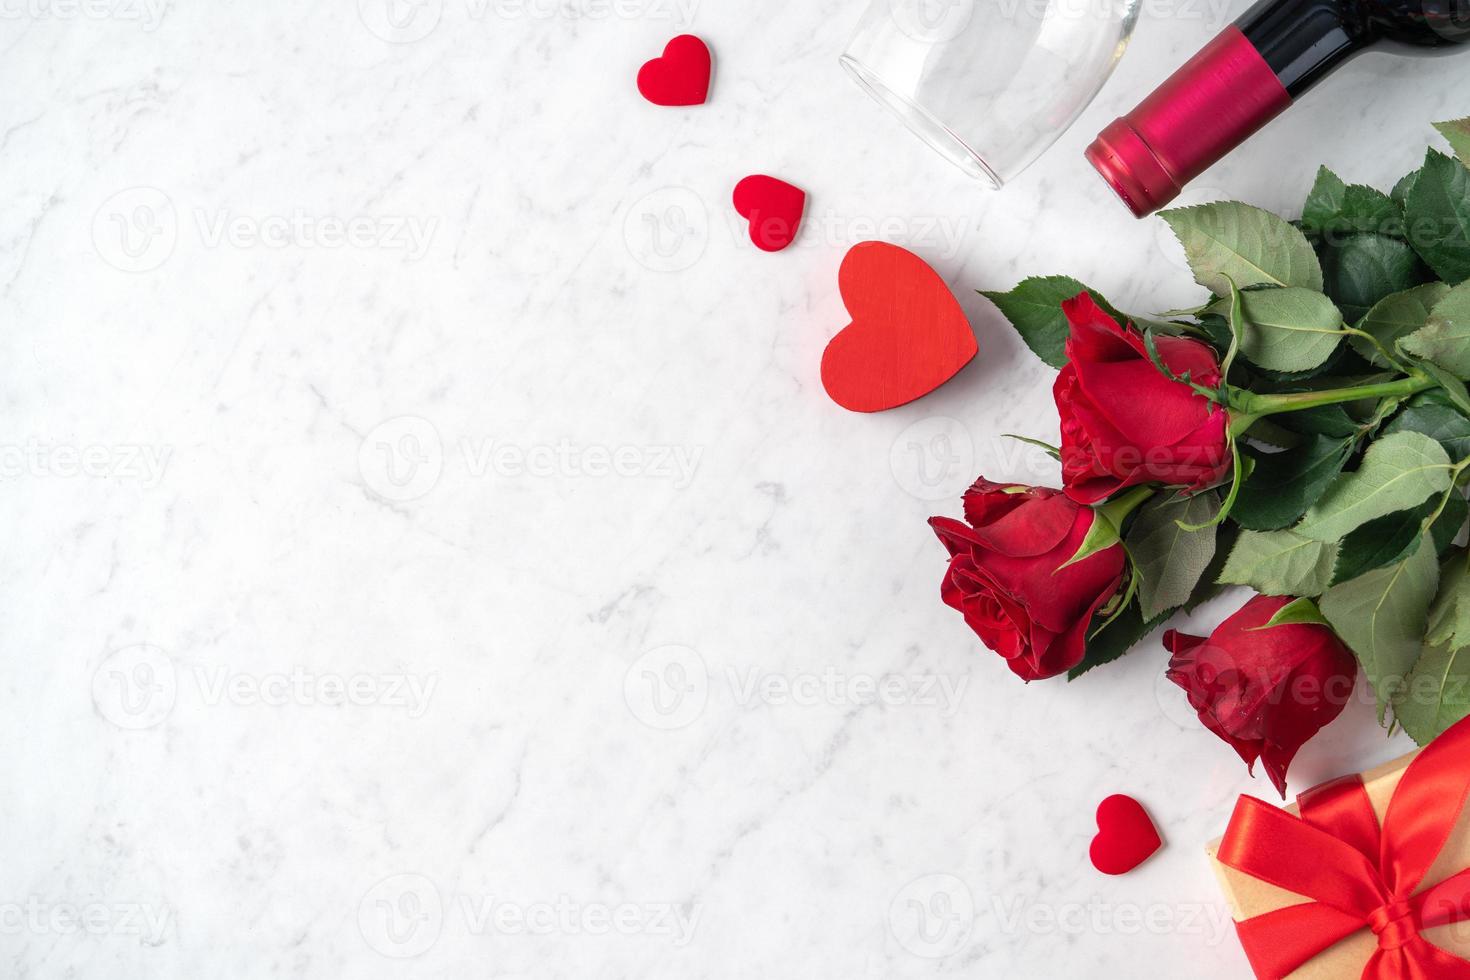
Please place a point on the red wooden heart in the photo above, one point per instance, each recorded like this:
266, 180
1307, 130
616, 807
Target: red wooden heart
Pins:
773, 208
681, 76
908, 333
1126, 837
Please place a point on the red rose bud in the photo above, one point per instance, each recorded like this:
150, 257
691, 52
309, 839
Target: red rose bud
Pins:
1006, 575
1126, 423
1265, 691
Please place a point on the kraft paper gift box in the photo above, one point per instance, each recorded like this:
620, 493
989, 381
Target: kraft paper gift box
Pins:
1249, 897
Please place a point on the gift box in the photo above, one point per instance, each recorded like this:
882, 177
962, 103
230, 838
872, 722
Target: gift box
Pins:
1365, 876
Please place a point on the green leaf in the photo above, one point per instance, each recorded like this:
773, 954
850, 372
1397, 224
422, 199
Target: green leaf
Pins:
1283, 485
1117, 638
1324, 201
1045, 447
1103, 534
1452, 387
1216, 328
1168, 559
1457, 131
1034, 308
1325, 420
1445, 339
1438, 213
1209, 586
1449, 617
1361, 270
1334, 207
1227, 242
1280, 563
1451, 522
1296, 613
1400, 192
1289, 329
1382, 541
1395, 317
1431, 413
1436, 694
1382, 615
1398, 472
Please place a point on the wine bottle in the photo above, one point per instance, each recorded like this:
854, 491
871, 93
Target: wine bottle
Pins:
1248, 75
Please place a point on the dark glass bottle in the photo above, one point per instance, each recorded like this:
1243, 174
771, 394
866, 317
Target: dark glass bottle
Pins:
1250, 74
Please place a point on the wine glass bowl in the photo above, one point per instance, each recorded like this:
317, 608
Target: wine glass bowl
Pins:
989, 84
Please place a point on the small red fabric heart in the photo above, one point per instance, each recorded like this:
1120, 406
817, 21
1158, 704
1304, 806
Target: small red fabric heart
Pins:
773, 208
908, 333
1126, 837
681, 76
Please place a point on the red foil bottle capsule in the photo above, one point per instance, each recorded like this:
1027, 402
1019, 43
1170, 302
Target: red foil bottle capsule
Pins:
1216, 101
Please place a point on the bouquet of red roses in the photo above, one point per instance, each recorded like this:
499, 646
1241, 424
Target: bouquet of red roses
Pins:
1304, 432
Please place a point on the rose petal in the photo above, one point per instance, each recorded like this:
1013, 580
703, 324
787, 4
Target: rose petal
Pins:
1023, 531
1145, 406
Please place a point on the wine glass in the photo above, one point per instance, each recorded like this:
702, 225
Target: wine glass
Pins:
990, 84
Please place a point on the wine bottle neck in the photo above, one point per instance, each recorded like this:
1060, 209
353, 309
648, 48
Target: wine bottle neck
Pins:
1304, 41
1212, 104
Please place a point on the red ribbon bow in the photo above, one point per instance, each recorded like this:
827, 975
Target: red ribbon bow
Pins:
1358, 875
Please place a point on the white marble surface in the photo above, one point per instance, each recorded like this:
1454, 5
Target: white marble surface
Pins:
499, 463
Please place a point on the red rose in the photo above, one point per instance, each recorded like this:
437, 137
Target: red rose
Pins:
1006, 576
1123, 421
1265, 691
